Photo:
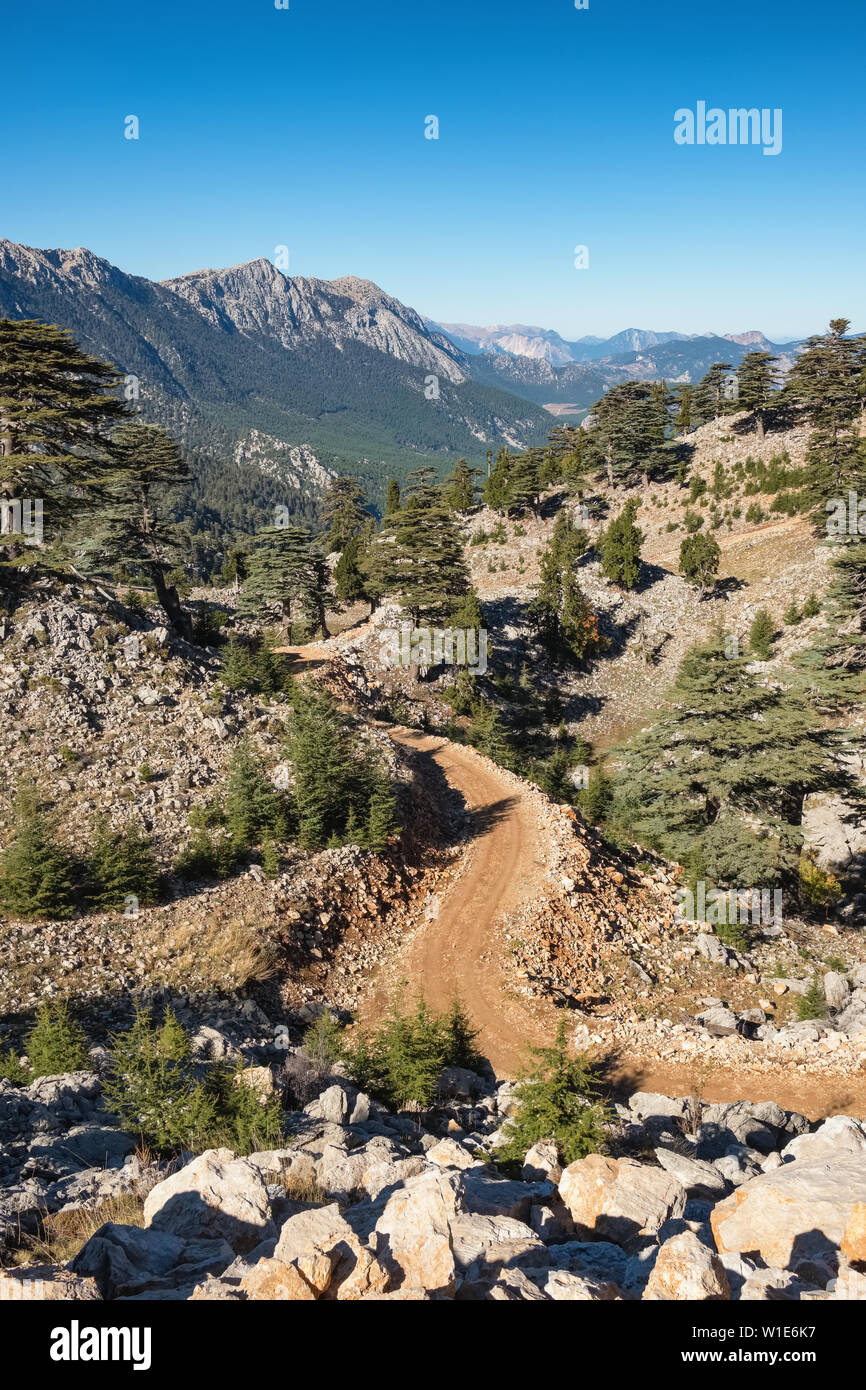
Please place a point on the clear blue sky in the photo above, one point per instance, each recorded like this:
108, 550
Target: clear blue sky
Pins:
305, 127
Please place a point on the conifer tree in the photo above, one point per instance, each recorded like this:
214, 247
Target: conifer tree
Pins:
37, 876
121, 864
287, 573
459, 487
761, 635
556, 1102
348, 579
345, 510
700, 555
392, 499
56, 413
56, 1043
134, 524
730, 751
683, 419
418, 557
560, 612
254, 808
708, 398
620, 547
756, 386
826, 381
497, 487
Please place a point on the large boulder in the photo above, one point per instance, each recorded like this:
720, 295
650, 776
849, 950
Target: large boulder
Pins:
413, 1234
216, 1196
618, 1199
700, 1179
541, 1163
563, 1287
854, 1237
126, 1260
482, 1243
793, 1212
685, 1268
838, 1136
329, 1256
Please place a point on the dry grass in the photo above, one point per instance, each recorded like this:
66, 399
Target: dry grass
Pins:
226, 952
65, 1232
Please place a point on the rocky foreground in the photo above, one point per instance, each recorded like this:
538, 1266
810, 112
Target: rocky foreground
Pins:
692, 1201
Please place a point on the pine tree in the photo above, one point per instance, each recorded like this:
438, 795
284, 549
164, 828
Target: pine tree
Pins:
627, 433
418, 557
344, 508
560, 612
459, 487
392, 499
497, 487
56, 412
122, 864
683, 419
488, 734
761, 635
556, 1103
708, 397
826, 382
134, 523
382, 818
595, 800
459, 1038
756, 386
620, 548
37, 877
729, 754
700, 555
287, 571
253, 807
56, 1043
348, 579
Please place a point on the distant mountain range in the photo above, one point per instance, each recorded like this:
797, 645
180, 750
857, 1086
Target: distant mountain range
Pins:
543, 367
521, 340
275, 381
272, 382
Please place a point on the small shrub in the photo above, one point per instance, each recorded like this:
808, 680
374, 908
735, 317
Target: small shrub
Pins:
12, 1070
811, 1004
556, 1101
56, 1043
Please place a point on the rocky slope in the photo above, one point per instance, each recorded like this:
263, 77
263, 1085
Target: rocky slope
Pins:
690, 1201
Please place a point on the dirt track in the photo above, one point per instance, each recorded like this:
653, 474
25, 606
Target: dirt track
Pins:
455, 951
452, 954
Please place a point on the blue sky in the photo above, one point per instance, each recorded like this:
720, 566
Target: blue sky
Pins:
305, 127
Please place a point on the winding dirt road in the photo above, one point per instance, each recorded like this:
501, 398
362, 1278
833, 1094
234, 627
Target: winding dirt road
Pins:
456, 951
453, 954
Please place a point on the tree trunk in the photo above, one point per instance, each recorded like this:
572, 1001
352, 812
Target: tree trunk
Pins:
170, 603
760, 420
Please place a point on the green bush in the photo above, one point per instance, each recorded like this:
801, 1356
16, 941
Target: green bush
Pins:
761, 635
157, 1094
37, 876
812, 1004
401, 1062
12, 1070
556, 1102
56, 1043
122, 864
